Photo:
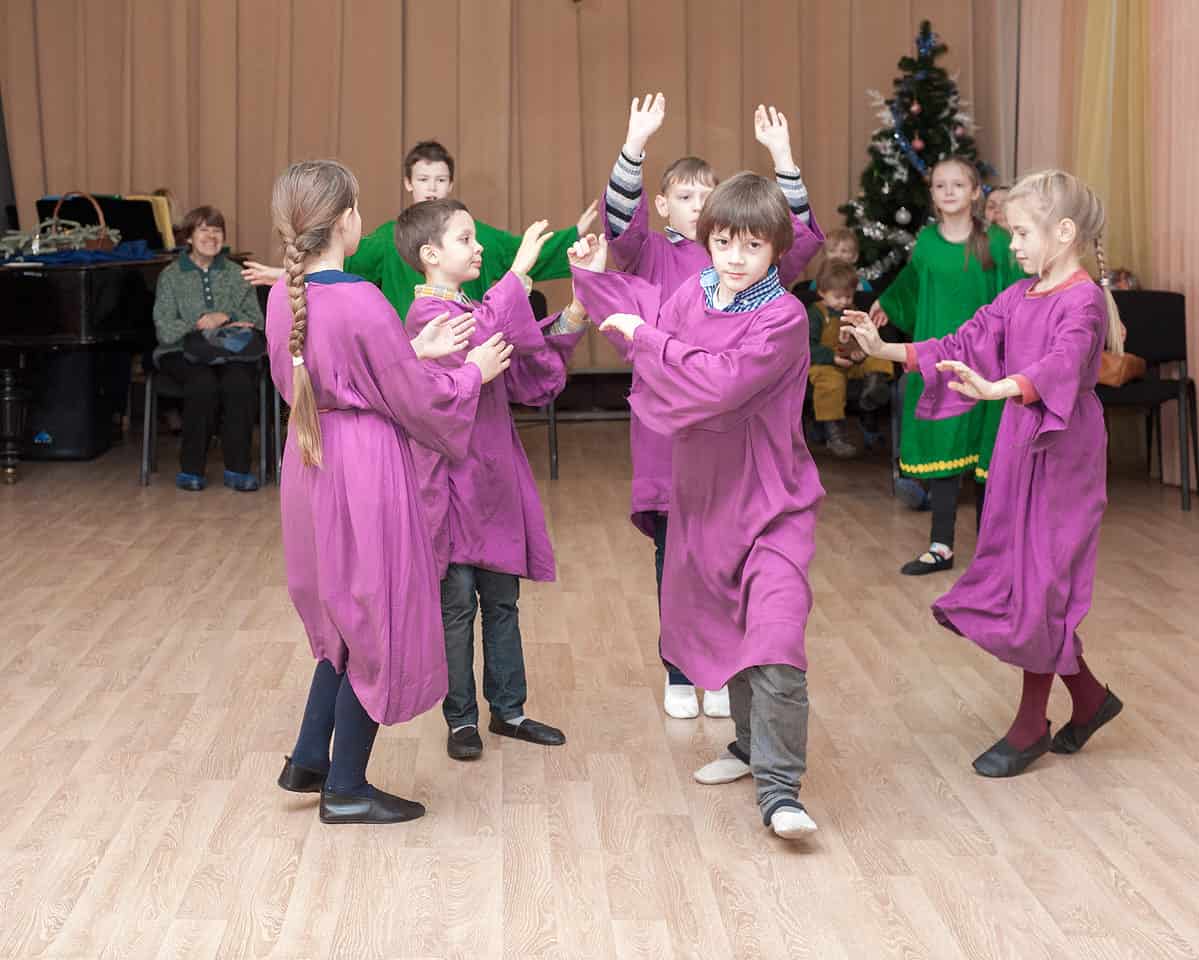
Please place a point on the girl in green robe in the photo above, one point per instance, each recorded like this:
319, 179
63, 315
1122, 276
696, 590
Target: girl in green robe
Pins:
958, 265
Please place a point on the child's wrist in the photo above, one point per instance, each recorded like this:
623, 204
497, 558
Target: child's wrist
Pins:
634, 150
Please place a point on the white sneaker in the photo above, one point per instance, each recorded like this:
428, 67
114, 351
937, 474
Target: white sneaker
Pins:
724, 769
792, 823
716, 702
679, 701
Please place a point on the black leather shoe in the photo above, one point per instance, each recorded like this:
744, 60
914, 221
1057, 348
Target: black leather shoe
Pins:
299, 779
529, 730
1070, 738
465, 744
1004, 760
919, 567
373, 807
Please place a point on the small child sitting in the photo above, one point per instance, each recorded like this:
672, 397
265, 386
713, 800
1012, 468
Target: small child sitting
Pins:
841, 244
835, 363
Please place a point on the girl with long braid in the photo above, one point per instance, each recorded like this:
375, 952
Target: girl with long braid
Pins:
360, 566
1037, 349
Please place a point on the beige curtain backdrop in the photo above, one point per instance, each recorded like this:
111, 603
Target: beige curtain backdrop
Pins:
212, 98
1107, 89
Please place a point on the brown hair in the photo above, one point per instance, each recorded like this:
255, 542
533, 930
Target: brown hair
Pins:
748, 204
430, 151
204, 216
979, 243
688, 170
1054, 195
841, 235
308, 199
837, 276
423, 223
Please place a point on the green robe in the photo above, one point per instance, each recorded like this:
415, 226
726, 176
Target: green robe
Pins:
378, 261
931, 297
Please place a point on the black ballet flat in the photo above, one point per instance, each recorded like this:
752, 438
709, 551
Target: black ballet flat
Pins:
1004, 760
1072, 738
373, 807
528, 730
919, 568
299, 779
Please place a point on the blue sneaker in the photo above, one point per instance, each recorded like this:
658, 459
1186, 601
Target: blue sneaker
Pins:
241, 482
190, 481
911, 494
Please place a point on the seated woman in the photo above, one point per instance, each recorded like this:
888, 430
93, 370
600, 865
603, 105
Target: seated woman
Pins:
204, 292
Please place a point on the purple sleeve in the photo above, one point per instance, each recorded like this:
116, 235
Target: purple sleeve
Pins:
436, 406
978, 343
682, 386
506, 309
1067, 369
603, 294
809, 238
628, 248
538, 375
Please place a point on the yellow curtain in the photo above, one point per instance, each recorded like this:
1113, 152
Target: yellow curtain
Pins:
1111, 148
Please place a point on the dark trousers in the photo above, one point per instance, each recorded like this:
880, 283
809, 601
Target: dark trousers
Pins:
228, 388
334, 708
673, 674
464, 591
943, 492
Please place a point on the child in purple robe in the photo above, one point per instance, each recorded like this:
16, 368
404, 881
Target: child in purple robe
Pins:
1038, 346
667, 260
482, 505
721, 369
360, 567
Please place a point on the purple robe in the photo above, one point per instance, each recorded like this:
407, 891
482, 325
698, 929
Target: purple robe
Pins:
360, 567
482, 504
727, 389
1029, 585
666, 264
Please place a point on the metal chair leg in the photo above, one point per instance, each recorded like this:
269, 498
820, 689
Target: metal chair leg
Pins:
144, 473
1184, 462
263, 429
552, 418
154, 430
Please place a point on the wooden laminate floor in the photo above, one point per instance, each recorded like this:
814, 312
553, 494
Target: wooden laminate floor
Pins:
152, 675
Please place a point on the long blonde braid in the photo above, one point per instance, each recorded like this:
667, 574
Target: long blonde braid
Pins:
307, 200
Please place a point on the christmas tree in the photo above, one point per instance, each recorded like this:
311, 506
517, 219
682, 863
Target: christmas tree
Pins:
922, 123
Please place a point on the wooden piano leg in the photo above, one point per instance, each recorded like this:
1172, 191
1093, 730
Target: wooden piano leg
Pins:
12, 423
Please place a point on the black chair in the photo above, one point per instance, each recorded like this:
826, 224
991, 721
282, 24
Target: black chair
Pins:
1156, 324
159, 384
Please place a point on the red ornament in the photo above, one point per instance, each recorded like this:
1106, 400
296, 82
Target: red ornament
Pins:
915, 108
917, 144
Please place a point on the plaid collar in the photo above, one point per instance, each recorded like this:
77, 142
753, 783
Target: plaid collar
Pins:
438, 292
760, 294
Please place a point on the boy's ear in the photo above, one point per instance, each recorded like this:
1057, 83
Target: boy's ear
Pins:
661, 206
430, 256
407, 184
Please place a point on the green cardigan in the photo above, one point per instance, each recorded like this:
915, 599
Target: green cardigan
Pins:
185, 293
378, 261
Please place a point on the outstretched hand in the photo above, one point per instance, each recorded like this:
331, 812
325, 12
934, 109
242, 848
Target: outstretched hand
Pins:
645, 119
971, 384
863, 331
771, 130
589, 253
259, 274
587, 218
444, 335
625, 324
530, 247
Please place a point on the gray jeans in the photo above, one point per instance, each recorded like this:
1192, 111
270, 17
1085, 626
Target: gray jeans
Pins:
770, 714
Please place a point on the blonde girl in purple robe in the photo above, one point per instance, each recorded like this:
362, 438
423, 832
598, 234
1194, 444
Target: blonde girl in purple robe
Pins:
1038, 347
360, 567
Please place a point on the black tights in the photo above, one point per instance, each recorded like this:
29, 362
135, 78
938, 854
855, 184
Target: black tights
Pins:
943, 492
333, 705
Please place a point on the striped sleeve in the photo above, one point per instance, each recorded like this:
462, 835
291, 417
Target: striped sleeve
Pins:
796, 193
624, 193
